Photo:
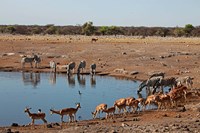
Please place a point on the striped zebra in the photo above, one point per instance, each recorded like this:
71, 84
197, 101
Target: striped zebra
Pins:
70, 66
52, 65
27, 59
82, 66
37, 60
92, 69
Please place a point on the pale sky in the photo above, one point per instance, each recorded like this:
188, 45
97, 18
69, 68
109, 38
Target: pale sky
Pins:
165, 13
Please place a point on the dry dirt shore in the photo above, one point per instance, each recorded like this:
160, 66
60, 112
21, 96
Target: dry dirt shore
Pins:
118, 56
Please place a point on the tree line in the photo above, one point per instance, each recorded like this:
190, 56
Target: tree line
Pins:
89, 29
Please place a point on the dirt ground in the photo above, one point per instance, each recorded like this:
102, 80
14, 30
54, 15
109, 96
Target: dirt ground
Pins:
120, 56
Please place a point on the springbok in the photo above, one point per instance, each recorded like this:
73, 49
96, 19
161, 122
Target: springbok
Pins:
35, 116
61, 113
120, 104
99, 108
82, 65
92, 69
110, 111
70, 66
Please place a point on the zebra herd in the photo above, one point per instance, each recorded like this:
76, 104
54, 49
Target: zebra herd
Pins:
157, 80
53, 65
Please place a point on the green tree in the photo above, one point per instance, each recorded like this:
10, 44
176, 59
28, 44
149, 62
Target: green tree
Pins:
104, 30
178, 32
88, 28
51, 30
114, 30
10, 29
188, 29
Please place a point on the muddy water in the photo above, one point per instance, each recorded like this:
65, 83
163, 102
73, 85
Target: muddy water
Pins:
44, 91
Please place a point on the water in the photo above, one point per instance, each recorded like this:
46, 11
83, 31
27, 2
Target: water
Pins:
45, 91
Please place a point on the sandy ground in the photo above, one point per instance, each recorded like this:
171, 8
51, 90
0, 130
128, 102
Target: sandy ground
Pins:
116, 56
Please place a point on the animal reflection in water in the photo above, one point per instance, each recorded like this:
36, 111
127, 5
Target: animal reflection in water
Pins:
71, 80
93, 81
52, 78
31, 78
81, 80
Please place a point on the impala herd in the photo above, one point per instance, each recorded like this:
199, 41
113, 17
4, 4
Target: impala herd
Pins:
177, 94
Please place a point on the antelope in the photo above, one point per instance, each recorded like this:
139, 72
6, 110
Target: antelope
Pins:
128, 100
35, 116
133, 104
120, 104
142, 103
94, 39
109, 111
72, 111
61, 113
150, 99
81, 66
99, 108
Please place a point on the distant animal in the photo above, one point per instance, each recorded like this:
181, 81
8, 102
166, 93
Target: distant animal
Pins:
35, 116
92, 69
152, 82
94, 39
157, 74
70, 67
67, 111
120, 104
99, 108
171, 82
52, 65
30, 59
109, 112
185, 80
82, 66
79, 92
37, 60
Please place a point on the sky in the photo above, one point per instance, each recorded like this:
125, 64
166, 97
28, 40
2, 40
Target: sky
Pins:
151, 13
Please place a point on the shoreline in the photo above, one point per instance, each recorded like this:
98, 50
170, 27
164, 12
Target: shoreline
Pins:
177, 57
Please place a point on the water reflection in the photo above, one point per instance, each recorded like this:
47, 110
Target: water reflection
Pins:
31, 78
52, 78
93, 81
81, 80
71, 80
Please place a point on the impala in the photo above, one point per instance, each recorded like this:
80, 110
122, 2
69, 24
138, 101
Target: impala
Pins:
67, 111
35, 116
99, 108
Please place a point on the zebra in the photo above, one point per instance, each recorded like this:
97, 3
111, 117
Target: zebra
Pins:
185, 80
52, 65
70, 66
156, 74
92, 69
30, 60
81, 66
152, 82
37, 60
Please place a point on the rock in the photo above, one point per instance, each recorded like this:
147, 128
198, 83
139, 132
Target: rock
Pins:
49, 126
134, 72
14, 125
125, 125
